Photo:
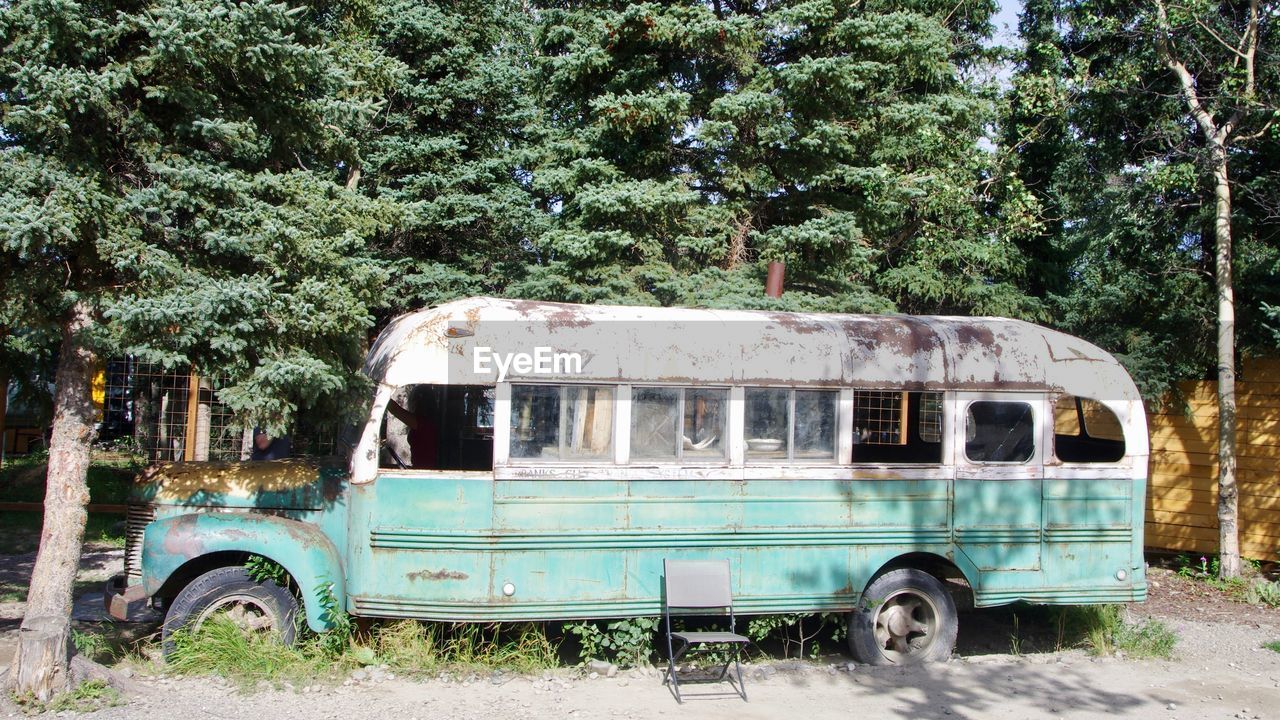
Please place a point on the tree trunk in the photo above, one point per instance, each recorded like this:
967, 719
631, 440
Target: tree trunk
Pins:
1228, 530
41, 665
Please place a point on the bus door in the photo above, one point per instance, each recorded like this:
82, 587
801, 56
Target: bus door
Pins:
999, 486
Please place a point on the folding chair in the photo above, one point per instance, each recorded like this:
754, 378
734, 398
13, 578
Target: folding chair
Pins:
700, 586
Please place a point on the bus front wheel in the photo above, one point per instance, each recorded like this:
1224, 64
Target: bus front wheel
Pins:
906, 617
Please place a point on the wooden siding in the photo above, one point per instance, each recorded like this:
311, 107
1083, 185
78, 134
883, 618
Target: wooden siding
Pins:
1182, 497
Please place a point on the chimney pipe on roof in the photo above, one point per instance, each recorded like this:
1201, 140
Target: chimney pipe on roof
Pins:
773, 283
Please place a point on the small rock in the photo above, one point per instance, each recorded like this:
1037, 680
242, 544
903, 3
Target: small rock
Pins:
359, 675
593, 676
612, 671
1172, 706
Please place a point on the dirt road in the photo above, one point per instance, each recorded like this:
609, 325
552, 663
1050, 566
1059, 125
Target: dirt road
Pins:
1220, 670
1201, 683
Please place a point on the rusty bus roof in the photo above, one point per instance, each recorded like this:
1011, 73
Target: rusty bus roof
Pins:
705, 346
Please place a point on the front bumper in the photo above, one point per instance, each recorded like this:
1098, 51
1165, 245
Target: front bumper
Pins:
123, 600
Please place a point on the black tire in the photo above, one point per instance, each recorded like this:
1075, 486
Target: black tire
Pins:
907, 617
272, 608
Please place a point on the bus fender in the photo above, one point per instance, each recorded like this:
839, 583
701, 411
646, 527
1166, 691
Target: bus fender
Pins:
300, 548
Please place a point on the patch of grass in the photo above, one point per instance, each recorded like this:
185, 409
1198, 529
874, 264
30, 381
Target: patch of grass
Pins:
92, 645
89, 696
1106, 632
21, 533
1273, 646
407, 647
12, 592
110, 477
222, 648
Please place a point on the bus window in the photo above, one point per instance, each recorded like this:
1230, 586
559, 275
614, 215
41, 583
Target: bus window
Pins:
784, 424
1085, 430
892, 426
439, 427
561, 422
673, 424
999, 432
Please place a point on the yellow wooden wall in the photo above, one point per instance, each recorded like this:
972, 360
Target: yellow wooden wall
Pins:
1182, 497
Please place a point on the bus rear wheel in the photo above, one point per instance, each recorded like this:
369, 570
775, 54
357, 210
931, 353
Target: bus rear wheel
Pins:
907, 617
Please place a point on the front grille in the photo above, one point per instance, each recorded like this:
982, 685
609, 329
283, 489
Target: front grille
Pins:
139, 515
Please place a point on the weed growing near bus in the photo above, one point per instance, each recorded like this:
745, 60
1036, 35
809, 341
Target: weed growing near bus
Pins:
628, 642
260, 569
221, 647
1106, 632
409, 647
795, 631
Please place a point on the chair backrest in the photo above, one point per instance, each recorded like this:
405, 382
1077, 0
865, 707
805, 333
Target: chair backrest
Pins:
697, 583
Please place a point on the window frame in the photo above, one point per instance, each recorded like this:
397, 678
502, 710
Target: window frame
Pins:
504, 404
832, 459
726, 454
1034, 401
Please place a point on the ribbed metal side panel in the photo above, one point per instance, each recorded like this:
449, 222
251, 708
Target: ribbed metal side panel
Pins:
139, 515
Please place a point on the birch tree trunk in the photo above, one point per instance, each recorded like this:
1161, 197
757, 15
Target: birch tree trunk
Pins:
1228, 492
1219, 135
41, 665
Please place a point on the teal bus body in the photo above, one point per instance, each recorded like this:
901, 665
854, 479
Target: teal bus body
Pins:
443, 548
527, 534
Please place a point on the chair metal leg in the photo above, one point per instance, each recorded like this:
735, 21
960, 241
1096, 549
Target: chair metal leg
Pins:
737, 667
671, 678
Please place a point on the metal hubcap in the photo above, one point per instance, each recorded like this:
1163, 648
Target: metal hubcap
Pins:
904, 626
247, 612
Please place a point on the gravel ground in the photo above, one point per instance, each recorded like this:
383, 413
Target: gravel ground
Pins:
1220, 671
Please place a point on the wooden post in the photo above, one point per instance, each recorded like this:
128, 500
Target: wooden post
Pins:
4, 408
193, 416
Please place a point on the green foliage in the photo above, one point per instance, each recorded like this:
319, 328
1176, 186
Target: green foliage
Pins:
1273, 646
1263, 592
795, 631
1106, 632
628, 642
687, 145
221, 647
90, 644
186, 156
337, 639
1106, 179
89, 696
260, 569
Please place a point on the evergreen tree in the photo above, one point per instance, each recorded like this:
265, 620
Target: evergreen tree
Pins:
170, 187
446, 148
687, 143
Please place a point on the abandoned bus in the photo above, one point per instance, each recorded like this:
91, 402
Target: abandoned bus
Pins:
538, 461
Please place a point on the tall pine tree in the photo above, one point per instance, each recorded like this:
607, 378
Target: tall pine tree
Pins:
687, 143
171, 186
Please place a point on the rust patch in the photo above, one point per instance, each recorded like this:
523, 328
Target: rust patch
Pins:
182, 540
799, 324
442, 574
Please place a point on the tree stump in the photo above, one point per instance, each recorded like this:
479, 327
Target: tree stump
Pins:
43, 657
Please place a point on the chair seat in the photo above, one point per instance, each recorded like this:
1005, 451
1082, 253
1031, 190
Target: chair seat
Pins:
711, 637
